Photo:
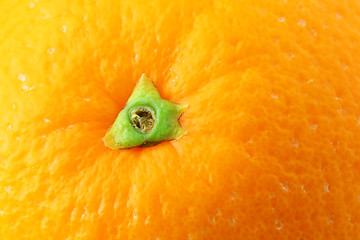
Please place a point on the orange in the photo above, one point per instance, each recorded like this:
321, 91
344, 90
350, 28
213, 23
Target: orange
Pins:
273, 119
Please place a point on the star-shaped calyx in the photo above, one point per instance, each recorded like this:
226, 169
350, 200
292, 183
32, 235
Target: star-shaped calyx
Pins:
146, 120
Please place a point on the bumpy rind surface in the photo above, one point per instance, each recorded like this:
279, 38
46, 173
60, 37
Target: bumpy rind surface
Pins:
272, 150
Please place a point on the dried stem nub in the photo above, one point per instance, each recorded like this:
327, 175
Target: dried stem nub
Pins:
142, 118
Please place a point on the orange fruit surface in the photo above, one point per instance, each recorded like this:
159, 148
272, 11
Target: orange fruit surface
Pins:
273, 143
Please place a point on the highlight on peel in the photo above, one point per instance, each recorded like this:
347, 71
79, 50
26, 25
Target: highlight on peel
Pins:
272, 149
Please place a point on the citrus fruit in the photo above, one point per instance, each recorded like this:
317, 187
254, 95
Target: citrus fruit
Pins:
272, 149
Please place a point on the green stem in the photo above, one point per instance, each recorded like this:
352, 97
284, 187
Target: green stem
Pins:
146, 120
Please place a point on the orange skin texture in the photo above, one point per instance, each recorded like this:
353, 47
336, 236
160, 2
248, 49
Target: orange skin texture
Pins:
273, 143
